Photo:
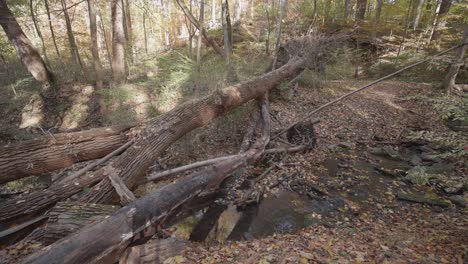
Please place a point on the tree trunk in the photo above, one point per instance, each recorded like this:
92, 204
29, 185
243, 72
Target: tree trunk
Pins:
46, 3
283, 4
58, 151
347, 9
104, 241
144, 32
165, 23
449, 81
267, 39
417, 18
133, 164
74, 53
439, 19
213, 13
128, 24
227, 30
66, 218
202, 22
24, 48
378, 11
118, 43
38, 30
360, 10
94, 44
237, 11
107, 37
406, 25
200, 27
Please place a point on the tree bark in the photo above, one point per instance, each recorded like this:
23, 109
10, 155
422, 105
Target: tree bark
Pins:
58, 151
24, 48
66, 218
107, 37
283, 4
449, 81
202, 22
213, 12
133, 164
227, 30
94, 44
417, 18
46, 4
361, 6
38, 30
128, 24
200, 27
439, 19
104, 241
144, 32
74, 53
347, 9
118, 43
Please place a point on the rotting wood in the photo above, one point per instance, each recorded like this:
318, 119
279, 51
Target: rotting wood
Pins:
158, 135
126, 196
58, 151
104, 241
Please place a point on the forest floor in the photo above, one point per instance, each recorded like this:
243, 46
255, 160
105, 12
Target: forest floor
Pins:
357, 216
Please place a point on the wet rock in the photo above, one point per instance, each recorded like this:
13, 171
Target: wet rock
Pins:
415, 160
386, 151
459, 200
454, 188
345, 145
418, 175
440, 168
423, 199
432, 157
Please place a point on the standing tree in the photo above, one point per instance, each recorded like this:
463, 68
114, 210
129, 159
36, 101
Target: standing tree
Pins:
283, 5
199, 40
75, 55
94, 43
118, 43
46, 3
449, 82
417, 17
38, 30
129, 30
227, 30
213, 13
439, 19
360, 10
24, 48
347, 9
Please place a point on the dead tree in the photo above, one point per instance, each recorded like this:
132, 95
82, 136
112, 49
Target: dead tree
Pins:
105, 241
58, 151
133, 164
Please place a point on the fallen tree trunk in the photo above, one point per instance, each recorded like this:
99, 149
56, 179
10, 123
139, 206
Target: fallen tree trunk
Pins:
106, 240
132, 165
58, 151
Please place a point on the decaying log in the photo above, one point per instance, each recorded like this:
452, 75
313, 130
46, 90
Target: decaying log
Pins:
159, 135
57, 151
101, 241
153, 252
169, 127
66, 218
